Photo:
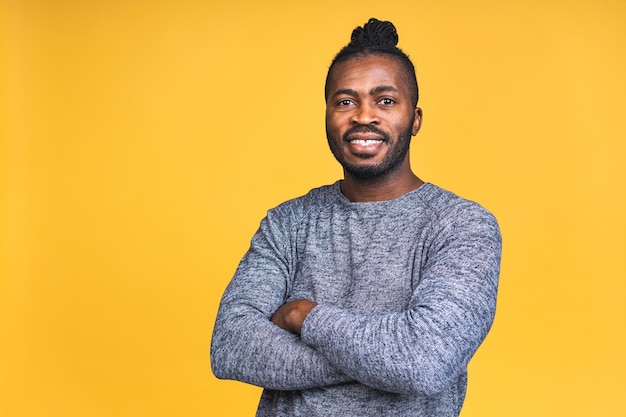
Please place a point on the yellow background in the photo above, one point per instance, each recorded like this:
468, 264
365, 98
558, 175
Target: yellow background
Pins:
142, 142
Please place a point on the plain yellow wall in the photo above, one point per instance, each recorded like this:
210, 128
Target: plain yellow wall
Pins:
143, 141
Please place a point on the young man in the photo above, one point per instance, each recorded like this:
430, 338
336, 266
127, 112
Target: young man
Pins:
367, 297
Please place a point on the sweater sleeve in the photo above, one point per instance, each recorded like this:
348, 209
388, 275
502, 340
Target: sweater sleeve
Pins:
425, 348
246, 346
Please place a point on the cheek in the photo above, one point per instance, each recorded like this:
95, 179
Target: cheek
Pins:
404, 123
333, 125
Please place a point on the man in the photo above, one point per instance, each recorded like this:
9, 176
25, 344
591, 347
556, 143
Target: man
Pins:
367, 297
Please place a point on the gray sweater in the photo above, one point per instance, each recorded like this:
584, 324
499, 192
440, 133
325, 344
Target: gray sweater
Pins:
406, 291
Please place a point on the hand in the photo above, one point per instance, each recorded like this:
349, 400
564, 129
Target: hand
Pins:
291, 315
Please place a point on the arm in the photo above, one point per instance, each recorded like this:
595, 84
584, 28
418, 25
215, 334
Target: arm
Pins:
425, 348
246, 345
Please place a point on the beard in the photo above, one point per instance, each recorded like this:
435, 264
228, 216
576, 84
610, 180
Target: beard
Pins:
391, 161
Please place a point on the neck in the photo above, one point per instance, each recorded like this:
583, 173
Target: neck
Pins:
379, 189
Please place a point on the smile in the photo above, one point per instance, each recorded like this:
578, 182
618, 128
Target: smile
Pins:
366, 142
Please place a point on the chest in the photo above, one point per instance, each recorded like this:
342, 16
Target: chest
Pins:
367, 264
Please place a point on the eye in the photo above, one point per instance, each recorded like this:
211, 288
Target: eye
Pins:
344, 102
386, 101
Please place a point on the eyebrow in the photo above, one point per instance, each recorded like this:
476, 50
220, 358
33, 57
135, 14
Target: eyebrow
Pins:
382, 89
373, 91
346, 91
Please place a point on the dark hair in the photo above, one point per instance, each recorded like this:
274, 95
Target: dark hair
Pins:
376, 38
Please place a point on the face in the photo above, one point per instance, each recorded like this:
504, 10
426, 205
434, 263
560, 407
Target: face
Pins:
370, 117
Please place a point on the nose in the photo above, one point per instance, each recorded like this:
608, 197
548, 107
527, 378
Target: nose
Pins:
365, 114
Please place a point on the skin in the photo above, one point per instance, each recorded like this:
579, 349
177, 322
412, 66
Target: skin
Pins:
372, 92
369, 122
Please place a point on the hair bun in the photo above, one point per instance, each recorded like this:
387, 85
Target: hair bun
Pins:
375, 34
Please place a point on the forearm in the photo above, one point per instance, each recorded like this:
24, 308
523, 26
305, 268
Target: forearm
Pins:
399, 352
247, 347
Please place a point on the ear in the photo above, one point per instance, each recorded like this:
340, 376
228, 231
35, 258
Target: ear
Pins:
417, 123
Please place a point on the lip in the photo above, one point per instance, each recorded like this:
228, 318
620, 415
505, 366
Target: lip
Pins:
364, 145
364, 136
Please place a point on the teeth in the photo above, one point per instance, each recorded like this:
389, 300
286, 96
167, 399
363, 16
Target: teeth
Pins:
364, 142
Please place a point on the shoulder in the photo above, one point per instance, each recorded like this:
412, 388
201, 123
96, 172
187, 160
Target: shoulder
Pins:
295, 209
443, 203
450, 211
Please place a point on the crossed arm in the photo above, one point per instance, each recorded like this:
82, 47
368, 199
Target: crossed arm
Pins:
246, 345
420, 350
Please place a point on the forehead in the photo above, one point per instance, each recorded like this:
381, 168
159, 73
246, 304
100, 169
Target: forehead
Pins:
367, 72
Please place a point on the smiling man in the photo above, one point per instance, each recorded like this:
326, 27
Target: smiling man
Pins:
367, 297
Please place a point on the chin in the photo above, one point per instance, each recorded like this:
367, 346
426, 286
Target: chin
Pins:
367, 171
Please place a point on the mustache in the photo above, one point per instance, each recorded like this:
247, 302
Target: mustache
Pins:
365, 129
